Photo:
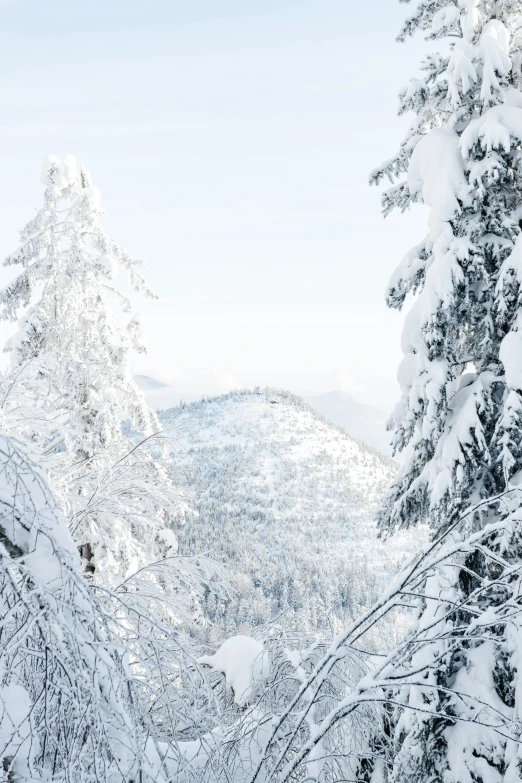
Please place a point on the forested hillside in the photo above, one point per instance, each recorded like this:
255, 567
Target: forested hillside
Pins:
287, 501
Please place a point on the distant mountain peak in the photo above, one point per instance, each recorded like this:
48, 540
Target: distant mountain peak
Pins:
359, 420
145, 382
287, 501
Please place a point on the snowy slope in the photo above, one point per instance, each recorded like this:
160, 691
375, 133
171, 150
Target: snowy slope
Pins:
359, 420
287, 500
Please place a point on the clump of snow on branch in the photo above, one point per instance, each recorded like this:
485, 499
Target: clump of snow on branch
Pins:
436, 172
243, 661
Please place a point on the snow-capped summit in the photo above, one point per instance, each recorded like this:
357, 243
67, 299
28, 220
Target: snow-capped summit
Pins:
286, 500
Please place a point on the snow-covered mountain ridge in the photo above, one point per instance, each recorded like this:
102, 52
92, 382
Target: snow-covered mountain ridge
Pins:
286, 500
359, 420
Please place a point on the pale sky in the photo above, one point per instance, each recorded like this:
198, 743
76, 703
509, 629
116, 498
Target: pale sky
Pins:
232, 143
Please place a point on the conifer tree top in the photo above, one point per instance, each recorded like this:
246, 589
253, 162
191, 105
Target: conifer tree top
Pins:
461, 375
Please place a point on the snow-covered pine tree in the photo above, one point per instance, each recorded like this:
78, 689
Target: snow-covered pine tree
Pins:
459, 420
70, 387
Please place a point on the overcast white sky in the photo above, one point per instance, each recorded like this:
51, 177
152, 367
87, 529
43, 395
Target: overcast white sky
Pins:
232, 142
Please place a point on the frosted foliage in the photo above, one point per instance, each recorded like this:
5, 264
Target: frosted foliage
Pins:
286, 501
510, 354
452, 686
455, 716
65, 251
441, 706
70, 386
65, 709
273, 670
92, 685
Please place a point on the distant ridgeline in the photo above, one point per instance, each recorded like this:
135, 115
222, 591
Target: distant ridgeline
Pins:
286, 500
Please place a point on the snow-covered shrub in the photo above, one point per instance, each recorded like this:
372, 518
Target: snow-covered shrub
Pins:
64, 701
92, 685
402, 720
261, 682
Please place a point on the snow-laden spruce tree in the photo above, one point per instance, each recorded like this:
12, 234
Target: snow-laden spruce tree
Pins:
459, 420
70, 387
461, 375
